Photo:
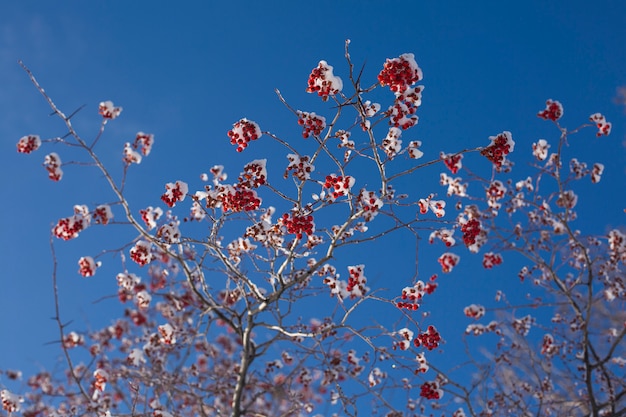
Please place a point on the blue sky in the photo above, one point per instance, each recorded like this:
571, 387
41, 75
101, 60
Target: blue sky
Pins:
187, 72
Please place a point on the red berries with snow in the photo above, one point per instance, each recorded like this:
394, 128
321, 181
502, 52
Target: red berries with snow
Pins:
69, 227
400, 73
553, 111
431, 390
298, 225
243, 132
108, 110
430, 339
323, 82
501, 145
87, 266
604, 127
491, 259
448, 261
28, 144
174, 193
311, 123
338, 185
52, 163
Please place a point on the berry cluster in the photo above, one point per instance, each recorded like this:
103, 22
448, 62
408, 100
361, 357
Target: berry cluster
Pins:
144, 142
411, 296
240, 200
452, 161
392, 144
87, 266
553, 111
491, 259
130, 155
167, 334
52, 163
300, 166
108, 111
406, 336
150, 216
243, 132
402, 115
445, 235
28, 144
141, 253
413, 149
73, 339
370, 203
298, 224
254, 174
596, 172
311, 123
69, 227
323, 82
339, 185
604, 127
174, 193
402, 112
437, 206
141, 146
474, 311
471, 229
540, 149
431, 391
400, 73
448, 261
356, 281
429, 339
102, 214
501, 145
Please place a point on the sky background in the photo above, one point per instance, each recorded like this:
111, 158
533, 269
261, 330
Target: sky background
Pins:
185, 73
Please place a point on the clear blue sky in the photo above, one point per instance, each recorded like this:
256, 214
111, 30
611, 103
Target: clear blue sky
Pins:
187, 72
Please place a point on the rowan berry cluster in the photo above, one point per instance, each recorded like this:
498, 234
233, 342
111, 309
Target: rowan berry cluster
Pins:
356, 281
141, 253
238, 200
339, 185
87, 266
28, 144
471, 229
448, 261
174, 192
142, 146
436, 206
52, 163
452, 161
300, 167
431, 390
254, 174
400, 73
604, 127
411, 296
474, 311
323, 82
102, 214
150, 215
69, 227
370, 203
491, 259
430, 339
243, 132
553, 111
298, 225
108, 111
311, 123
501, 145
392, 144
